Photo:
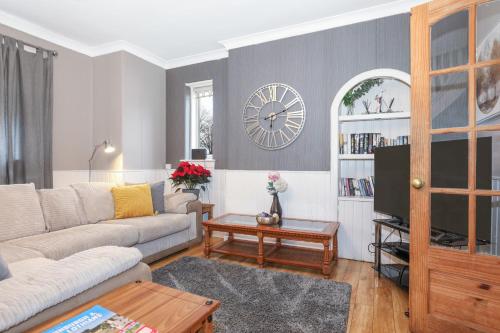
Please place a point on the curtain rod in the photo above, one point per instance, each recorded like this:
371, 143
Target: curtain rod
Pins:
38, 48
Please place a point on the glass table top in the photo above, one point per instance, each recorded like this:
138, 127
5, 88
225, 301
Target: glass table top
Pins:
288, 224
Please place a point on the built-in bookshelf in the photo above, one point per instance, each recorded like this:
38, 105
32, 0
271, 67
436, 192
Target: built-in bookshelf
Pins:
389, 117
375, 112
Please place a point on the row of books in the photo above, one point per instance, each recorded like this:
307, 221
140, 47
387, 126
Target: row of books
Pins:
365, 143
357, 187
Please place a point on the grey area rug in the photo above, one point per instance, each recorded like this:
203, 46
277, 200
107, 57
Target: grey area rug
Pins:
260, 300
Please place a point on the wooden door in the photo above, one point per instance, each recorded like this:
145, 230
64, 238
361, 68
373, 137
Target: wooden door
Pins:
455, 159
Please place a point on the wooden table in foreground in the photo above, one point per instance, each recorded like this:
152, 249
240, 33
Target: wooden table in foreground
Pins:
163, 308
322, 232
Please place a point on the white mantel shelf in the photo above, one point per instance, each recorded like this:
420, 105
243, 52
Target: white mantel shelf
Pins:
374, 116
356, 157
358, 198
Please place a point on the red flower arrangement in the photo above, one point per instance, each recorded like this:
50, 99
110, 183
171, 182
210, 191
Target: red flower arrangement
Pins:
190, 175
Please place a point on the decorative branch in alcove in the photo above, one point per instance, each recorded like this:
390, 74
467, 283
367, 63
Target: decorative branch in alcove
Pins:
359, 91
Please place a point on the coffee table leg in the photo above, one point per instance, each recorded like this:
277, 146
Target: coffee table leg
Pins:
326, 258
260, 259
335, 248
230, 236
208, 234
208, 325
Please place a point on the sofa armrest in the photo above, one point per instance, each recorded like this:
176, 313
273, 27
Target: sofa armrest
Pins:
178, 202
186, 203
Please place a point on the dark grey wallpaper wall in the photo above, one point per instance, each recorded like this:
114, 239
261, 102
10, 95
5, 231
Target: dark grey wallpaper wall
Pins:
317, 65
177, 91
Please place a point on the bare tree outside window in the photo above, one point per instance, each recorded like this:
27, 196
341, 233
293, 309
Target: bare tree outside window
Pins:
202, 123
206, 124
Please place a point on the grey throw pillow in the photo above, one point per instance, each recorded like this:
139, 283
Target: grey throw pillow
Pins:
4, 270
157, 192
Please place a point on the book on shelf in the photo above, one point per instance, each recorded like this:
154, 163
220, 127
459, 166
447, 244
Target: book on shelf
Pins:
357, 187
98, 319
365, 143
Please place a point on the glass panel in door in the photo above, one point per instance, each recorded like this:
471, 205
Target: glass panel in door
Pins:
488, 225
449, 100
450, 41
488, 31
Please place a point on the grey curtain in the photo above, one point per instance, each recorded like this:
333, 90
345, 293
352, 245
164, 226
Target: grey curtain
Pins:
25, 115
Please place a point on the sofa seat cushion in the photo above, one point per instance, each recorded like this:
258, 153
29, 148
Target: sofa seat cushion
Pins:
21, 214
63, 243
12, 253
29, 292
154, 227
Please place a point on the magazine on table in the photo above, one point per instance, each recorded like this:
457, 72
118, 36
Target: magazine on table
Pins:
100, 320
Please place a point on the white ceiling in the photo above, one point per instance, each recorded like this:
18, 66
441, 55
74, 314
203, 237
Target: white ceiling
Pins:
170, 29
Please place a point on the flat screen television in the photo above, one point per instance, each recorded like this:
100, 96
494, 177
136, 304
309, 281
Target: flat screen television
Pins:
449, 170
392, 181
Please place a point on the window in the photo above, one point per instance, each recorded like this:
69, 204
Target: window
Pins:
201, 117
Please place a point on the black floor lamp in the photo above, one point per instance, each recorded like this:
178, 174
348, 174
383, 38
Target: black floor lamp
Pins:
108, 149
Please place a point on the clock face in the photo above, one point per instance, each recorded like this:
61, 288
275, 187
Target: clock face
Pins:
274, 116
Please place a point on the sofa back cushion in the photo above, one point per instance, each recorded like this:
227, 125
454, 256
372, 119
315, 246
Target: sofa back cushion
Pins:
20, 212
132, 201
96, 200
61, 208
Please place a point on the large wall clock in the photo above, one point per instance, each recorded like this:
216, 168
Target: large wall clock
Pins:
274, 116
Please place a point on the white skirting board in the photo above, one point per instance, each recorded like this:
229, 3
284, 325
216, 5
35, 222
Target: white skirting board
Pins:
309, 196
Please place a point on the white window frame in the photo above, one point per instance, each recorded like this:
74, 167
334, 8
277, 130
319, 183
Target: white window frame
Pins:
192, 116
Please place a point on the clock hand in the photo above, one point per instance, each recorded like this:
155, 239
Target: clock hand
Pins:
274, 115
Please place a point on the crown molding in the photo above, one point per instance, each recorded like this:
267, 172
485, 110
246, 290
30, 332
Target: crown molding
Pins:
362, 15
58, 39
123, 45
38, 31
371, 13
196, 58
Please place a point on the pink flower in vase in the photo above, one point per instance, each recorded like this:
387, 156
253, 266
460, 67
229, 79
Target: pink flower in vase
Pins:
273, 176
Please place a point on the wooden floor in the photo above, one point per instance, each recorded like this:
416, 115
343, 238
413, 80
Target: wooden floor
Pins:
377, 305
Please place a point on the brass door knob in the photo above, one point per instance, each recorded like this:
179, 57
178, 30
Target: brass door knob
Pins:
417, 183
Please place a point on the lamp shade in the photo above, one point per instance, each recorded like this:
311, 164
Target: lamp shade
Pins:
109, 148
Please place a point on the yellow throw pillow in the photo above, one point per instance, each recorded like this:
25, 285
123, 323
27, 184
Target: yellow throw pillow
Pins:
132, 201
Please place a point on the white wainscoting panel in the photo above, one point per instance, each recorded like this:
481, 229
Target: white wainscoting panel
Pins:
308, 194
67, 177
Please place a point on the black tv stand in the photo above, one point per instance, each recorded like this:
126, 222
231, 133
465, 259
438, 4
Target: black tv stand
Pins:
401, 249
398, 273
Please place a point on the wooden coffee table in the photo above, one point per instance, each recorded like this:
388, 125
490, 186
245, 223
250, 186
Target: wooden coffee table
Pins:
163, 308
322, 232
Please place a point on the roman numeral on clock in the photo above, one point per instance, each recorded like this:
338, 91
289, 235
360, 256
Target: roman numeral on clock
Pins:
292, 126
251, 118
272, 140
251, 105
252, 128
272, 92
291, 103
263, 99
295, 114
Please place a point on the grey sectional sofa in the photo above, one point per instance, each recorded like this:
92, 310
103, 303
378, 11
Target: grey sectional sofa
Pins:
42, 228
